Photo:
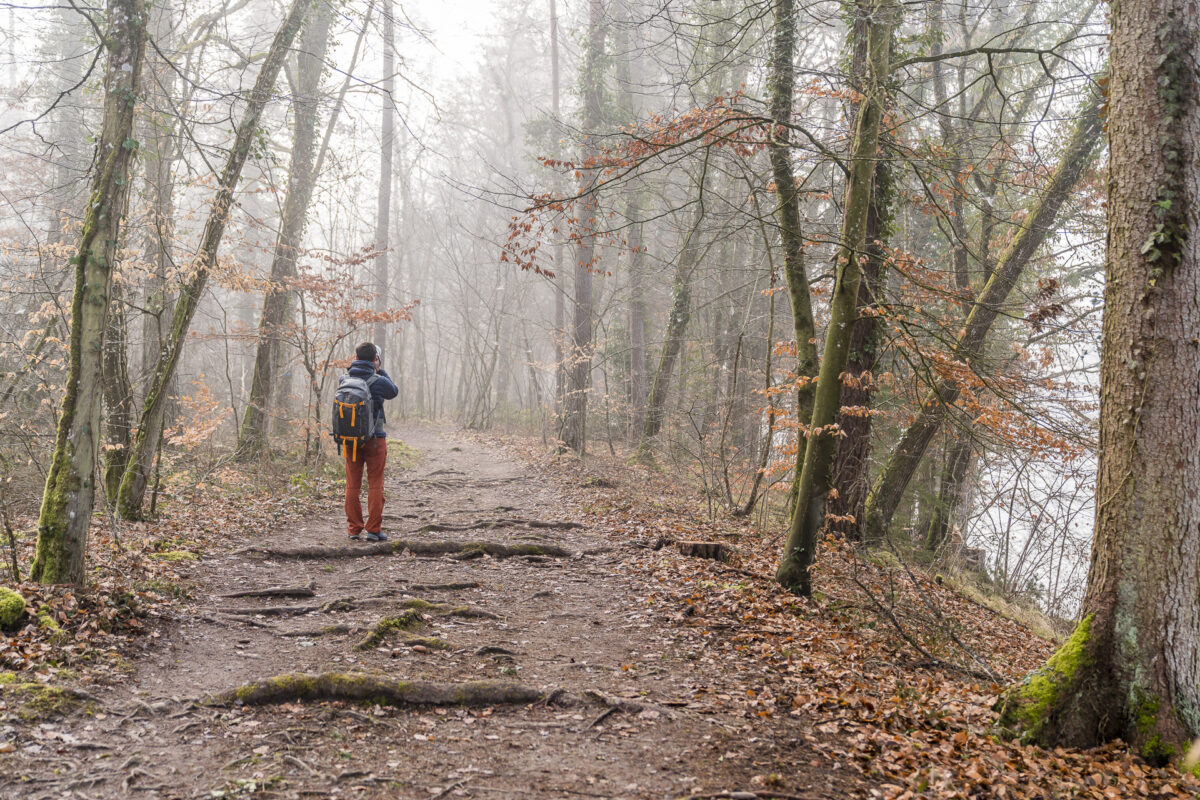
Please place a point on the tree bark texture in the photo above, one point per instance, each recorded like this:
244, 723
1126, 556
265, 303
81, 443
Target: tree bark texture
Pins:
67, 501
579, 368
310, 60
851, 462
133, 485
1132, 668
118, 395
808, 516
787, 212
888, 488
950, 491
677, 322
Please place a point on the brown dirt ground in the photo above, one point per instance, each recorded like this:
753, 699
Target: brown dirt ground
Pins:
577, 623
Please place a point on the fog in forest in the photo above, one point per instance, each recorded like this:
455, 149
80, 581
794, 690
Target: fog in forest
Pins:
563, 218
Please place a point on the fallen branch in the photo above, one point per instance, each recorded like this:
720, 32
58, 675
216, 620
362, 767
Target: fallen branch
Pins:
372, 689
418, 547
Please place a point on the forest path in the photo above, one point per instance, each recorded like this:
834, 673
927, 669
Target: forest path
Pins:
578, 623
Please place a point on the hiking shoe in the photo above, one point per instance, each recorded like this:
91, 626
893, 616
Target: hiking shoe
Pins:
378, 536
356, 537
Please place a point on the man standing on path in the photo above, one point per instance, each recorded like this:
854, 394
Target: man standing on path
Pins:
368, 365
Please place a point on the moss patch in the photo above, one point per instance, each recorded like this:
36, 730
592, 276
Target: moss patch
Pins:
46, 620
174, 555
407, 621
36, 701
12, 608
1026, 707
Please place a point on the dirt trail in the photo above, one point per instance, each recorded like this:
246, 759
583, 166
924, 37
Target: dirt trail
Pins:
578, 623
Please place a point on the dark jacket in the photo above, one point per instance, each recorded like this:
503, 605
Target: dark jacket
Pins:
382, 389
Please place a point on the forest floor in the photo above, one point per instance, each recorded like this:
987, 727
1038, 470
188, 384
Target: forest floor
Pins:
548, 640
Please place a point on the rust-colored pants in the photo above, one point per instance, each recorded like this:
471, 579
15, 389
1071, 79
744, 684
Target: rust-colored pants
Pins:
373, 457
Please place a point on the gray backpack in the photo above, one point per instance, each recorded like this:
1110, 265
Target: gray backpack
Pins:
353, 414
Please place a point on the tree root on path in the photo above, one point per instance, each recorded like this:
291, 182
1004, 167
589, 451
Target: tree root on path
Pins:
278, 591
340, 604
412, 619
409, 620
324, 630
760, 795
415, 546
498, 522
433, 587
357, 688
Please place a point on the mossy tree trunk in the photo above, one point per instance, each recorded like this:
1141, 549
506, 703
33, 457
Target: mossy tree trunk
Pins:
131, 496
1133, 669
787, 210
310, 60
888, 488
70, 485
809, 514
579, 366
851, 456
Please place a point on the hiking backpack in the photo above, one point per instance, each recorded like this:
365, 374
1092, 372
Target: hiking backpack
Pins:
353, 413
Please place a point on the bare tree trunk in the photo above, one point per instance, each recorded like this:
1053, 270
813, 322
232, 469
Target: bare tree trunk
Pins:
954, 474
574, 434
70, 486
133, 484
387, 143
851, 460
677, 321
118, 395
782, 89
1131, 670
886, 492
310, 60
637, 323
808, 515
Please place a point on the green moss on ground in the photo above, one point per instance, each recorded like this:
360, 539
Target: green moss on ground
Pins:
407, 621
12, 608
32, 702
46, 620
174, 555
1026, 708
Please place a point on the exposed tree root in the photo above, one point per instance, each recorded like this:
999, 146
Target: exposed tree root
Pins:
447, 610
432, 642
277, 591
498, 522
418, 547
341, 604
324, 630
355, 688
409, 620
433, 587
